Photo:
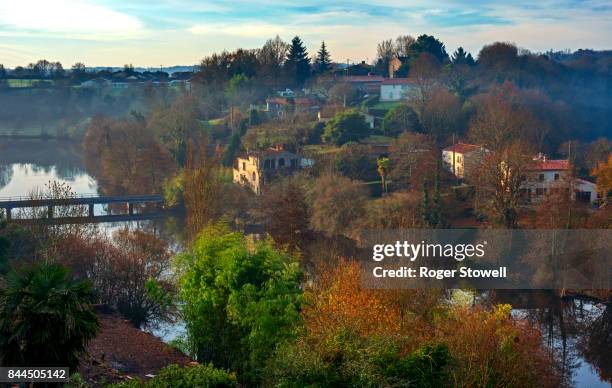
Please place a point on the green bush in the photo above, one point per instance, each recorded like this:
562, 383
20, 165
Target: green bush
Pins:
200, 376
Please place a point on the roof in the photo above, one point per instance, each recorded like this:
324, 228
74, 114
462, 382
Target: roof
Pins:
397, 81
120, 349
551, 165
297, 101
362, 79
463, 148
581, 181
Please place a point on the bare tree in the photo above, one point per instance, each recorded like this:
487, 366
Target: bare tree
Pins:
499, 182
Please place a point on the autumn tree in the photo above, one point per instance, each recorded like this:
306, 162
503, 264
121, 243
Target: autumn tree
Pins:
336, 204
603, 175
286, 212
499, 181
202, 184
413, 160
498, 121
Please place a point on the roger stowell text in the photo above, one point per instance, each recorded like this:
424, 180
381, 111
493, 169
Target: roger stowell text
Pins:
413, 251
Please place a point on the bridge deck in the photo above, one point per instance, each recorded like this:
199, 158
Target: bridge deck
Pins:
19, 202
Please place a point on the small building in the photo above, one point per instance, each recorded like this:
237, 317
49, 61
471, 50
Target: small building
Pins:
396, 89
256, 169
462, 159
366, 84
278, 107
548, 176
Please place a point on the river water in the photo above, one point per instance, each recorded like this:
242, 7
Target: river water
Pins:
578, 332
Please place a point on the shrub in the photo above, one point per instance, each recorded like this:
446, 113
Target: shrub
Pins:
201, 376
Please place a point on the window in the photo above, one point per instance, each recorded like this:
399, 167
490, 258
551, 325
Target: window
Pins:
294, 163
254, 177
266, 164
281, 162
539, 191
243, 166
541, 178
556, 176
273, 164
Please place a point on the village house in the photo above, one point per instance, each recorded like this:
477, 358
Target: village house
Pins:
396, 89
547, 176
257, 168
366, 84
278, 107
462, 159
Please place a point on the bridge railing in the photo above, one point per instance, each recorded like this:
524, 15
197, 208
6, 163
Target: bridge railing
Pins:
35, 198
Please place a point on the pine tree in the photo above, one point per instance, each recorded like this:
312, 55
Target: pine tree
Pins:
462, 57
323, 61
297, 64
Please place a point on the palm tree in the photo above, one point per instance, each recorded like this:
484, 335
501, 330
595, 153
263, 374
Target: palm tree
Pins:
46, 318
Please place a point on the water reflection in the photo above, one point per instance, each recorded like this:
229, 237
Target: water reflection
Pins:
578, 332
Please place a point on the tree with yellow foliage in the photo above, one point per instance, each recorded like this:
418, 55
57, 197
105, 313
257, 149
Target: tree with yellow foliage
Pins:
603, 175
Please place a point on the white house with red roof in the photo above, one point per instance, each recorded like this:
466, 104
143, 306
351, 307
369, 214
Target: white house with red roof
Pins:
463, 159
550, 175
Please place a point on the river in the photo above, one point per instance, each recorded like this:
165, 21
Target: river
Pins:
579, 332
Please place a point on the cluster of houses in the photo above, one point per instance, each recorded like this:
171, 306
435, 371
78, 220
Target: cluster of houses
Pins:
257, 168
546, 176
123, 80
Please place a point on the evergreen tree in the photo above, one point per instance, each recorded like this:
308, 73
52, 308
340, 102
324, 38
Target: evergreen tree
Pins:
297, 64
429, 44
462, 57
323, 61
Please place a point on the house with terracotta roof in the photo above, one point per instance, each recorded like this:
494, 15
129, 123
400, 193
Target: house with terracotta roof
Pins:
257, 168
548, 176
396, 89
367, 84
463, 159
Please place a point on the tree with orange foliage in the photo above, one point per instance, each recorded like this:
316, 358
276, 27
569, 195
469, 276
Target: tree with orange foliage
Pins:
603, 175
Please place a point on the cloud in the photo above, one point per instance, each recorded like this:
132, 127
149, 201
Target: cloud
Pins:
238, 29
66, 16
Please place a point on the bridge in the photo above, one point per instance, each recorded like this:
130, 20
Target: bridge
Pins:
89, 200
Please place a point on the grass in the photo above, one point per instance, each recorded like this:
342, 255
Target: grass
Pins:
378, 139
385, 105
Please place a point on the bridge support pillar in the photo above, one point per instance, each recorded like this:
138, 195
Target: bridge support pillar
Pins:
130, 208
90, 213
49, 211
8, 213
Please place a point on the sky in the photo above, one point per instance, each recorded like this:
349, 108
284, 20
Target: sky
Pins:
153, 33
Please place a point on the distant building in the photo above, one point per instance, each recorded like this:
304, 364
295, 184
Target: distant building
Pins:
396, 89
278, 107
548, 176
367, 84
256, 169
462, 159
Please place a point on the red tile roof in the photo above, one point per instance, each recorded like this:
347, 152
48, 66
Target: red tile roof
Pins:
551, 165
463, 148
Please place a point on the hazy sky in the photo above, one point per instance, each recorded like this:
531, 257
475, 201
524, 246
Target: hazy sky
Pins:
181, 32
